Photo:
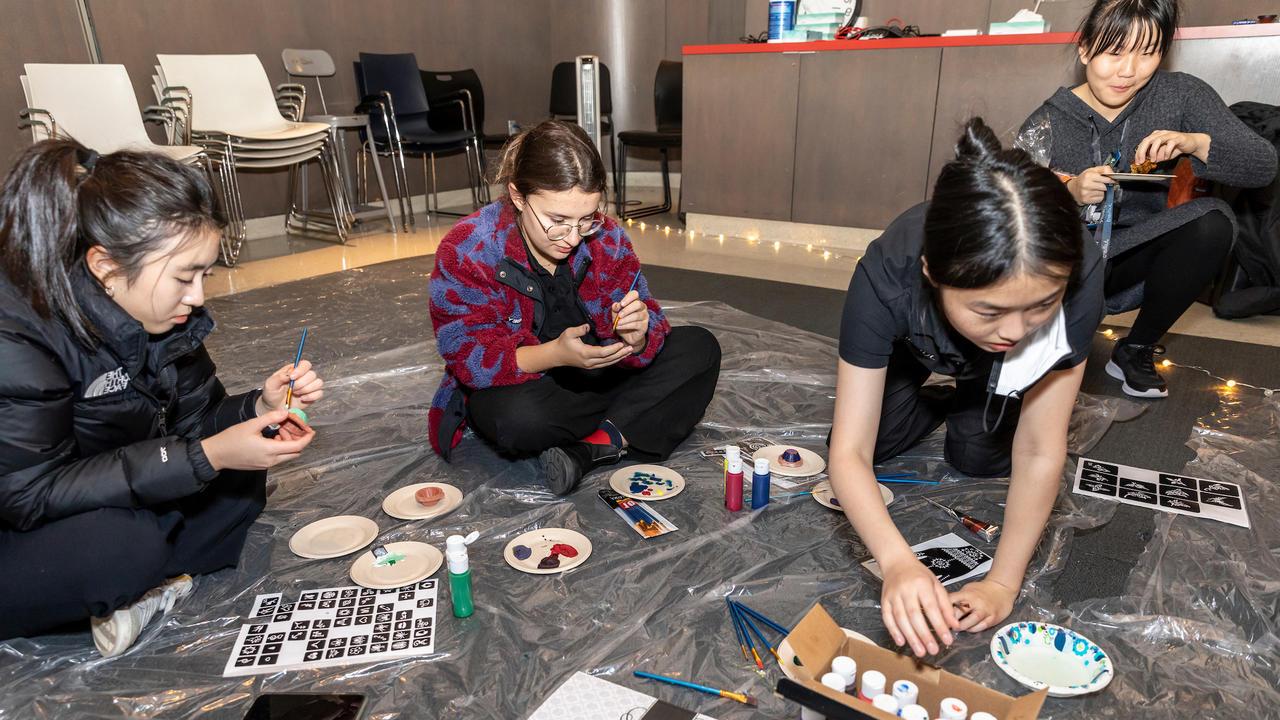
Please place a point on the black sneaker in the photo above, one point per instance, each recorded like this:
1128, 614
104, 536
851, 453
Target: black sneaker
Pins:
1134, 367
563, 467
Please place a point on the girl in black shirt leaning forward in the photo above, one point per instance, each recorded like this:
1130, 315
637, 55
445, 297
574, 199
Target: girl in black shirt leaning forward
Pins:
994, 283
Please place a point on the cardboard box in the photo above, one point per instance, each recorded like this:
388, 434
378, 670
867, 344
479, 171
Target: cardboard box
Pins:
817, 640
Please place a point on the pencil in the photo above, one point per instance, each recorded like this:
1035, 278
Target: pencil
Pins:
743, 698
288, 396
634, 280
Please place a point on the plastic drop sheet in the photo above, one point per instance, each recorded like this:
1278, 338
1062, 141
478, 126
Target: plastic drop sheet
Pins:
1194, 635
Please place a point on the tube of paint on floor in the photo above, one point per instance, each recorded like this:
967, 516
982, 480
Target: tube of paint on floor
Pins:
733, 478
455, 552
953, 709
760, 484
885, 703
847, 668
905, 692
872, 685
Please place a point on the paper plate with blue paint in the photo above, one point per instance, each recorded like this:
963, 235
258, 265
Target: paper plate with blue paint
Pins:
647, 482
1046, 656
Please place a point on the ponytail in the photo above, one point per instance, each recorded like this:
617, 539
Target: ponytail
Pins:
995, 212
552, 156
61, 198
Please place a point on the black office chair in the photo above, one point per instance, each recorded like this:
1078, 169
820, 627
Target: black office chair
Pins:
446, 86
564, 101
394, 81
668, 88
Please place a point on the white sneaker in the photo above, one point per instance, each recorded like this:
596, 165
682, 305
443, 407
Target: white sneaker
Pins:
117, 632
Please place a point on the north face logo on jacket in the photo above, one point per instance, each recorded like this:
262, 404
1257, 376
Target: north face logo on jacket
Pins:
111, 382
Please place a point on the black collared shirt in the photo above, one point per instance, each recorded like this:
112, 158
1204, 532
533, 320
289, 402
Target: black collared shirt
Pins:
889, 302
559, 300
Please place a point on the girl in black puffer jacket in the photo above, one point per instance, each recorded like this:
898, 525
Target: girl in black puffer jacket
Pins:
124, 464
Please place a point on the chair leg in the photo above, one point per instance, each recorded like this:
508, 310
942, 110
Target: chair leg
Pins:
382, 185
435, 195
620, 170
666, 182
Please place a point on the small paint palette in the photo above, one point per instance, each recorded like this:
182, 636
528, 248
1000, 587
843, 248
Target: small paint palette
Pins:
547, 551
791, 461
417, 561
647, 482
827, 498
1043, 655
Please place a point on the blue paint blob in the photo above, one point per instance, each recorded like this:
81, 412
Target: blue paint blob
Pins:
522, 553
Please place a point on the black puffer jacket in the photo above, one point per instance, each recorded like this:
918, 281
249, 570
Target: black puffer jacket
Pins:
117, 426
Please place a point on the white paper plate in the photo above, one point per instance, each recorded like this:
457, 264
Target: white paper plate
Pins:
787, 658
333, 537
1041, 655
539, 543
668, 485
420, 561
401, 503
811, 463
822, 493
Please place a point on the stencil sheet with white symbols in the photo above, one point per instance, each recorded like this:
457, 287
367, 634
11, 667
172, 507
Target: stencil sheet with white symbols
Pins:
1214, 499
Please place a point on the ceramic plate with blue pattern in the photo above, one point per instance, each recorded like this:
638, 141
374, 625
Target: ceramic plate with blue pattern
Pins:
1041, 655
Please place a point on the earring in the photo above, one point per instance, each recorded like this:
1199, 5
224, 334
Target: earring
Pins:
111, 291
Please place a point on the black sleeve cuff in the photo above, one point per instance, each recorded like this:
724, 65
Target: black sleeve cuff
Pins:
200, 462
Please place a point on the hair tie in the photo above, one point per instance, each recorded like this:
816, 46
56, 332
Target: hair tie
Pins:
87, 159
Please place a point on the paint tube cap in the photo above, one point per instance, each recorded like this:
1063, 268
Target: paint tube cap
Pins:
455, 551
845, 667
885, 703
915, 712
982, 716
872, 684
833, 681
762, 466
905, 692
954, 709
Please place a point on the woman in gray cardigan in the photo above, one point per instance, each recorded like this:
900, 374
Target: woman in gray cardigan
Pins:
1159, 258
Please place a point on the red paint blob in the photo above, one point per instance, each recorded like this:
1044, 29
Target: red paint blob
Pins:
566, 550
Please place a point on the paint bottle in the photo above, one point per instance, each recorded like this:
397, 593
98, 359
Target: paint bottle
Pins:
831, 680
760, 484
914, 712
733, 478
455, 552
847, 668
953, 709
982, 716
885, 703
905, 692
872, 685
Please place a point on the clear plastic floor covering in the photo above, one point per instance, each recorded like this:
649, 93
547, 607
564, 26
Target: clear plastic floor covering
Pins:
1194, 635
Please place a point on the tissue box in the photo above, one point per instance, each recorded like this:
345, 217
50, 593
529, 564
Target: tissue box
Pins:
817, 640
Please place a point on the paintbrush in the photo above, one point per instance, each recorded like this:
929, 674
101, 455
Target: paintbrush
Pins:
750, 624
776, 627
751, 644
737, 629
288, 396
634, 280
743, 698
985, 530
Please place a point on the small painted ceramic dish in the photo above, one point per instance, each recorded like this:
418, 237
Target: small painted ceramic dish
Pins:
809, 462
1042, 655
404, 505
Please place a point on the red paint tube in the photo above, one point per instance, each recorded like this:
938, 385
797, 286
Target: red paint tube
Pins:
733, 478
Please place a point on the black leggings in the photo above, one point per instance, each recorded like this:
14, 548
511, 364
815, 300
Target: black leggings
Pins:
92, 563
1175, 268
654, 408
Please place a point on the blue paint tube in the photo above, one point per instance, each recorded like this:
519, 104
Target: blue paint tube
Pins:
760, 484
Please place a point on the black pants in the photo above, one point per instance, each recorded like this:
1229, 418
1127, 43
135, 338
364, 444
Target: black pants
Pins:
92, 563
910, 412
1175, 268
655, 407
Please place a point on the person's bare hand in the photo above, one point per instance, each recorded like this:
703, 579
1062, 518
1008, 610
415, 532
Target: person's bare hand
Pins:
242, 446
1090, 186
575, 353
915, 607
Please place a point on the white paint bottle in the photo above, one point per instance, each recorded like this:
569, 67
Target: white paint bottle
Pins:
872, 685
953, 709
885, 702
905, 692
847, 668
914, 712
831, 680
982, 716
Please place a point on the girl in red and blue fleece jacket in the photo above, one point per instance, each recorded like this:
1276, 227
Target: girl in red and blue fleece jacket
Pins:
547, 352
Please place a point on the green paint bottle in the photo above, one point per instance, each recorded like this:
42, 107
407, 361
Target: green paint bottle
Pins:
455, 553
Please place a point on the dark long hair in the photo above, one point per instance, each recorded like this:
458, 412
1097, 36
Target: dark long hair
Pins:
1109, 24
553, 156
60, 199
995, 212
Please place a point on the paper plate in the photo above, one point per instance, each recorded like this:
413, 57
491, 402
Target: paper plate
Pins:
420, 561
539, 543
789, 661
1041, 655
811, 463
1142, 177
822, 493
667, 484
333, 537
401, 504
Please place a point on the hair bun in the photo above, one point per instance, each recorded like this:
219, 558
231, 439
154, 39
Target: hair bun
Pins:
977, 141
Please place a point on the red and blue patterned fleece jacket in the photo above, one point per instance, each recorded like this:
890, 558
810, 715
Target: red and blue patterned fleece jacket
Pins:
486, 303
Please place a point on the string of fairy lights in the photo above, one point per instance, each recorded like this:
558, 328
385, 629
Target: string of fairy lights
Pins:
1228, 384
826, 254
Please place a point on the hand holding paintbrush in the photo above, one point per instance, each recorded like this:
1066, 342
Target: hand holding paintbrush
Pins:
631, 317
296, 381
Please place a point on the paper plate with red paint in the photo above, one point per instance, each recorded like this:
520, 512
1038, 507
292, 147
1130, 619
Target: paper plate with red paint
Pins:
823, 494
405, 504
547, 551
647, 482
791, 461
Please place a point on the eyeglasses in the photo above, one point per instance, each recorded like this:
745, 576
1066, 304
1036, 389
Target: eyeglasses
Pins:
560, 231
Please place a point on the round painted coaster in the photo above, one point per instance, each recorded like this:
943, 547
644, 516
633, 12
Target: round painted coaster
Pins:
1042, 655
647, 482
811, 463
547, 551
825, 497
789, 662
402, 504
333, 537
420, 561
